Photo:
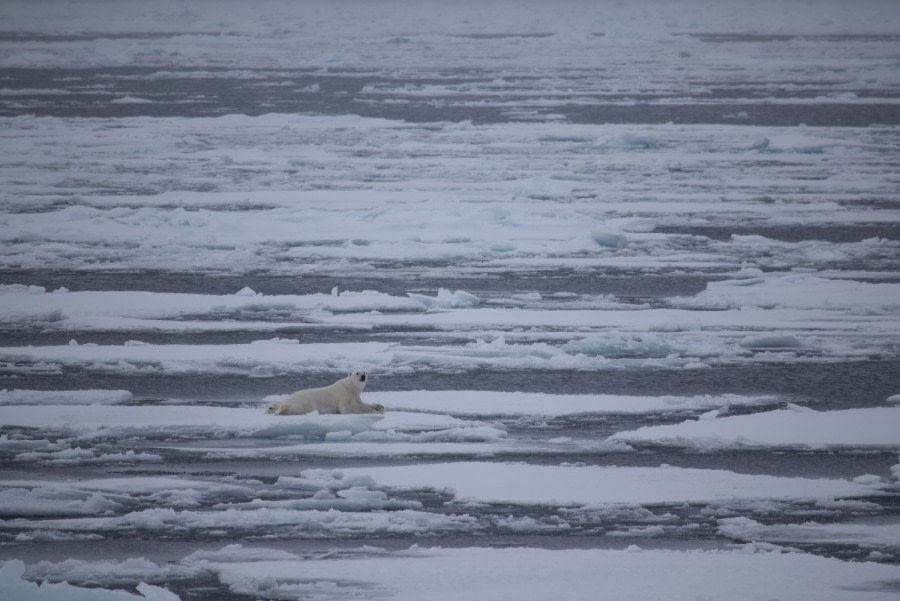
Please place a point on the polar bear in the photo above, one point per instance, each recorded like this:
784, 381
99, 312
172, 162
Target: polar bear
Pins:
340, 397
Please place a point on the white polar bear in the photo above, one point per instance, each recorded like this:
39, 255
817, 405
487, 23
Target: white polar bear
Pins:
340, 397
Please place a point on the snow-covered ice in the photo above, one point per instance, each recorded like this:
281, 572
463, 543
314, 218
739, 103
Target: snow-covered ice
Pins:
513, 483
490, 403
13, 586
64, 397
443, 573
624, 276
878, 537
172, 420
578, 574
784, 428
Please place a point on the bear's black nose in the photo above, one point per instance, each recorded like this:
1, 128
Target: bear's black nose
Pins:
362, 378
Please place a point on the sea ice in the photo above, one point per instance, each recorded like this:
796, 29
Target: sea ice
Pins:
14, 586
485, 402
801, 291
495, 175
54, 501
538, 574
294, 522
562, 485
64, 397
88, 422
884, 537
785, 428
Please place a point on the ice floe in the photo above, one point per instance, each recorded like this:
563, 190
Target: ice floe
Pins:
874, 428
14, 586
394, 433
479, 218
491, 403
179, 420
801, 292
447, 573
293, 522
560, 485
801, 317
880, 537
64, 397
632, 574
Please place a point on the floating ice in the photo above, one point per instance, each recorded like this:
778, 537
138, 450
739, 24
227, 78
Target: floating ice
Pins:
882, 536
559, 485
614, 241
73, 456
237, 552
634, 574
64, 397
293, 521
798, 291
54, 501
521, 189
130, 100
630, 141
131, 310
108, 497
446, 299
88, 422
430, 219
797, 143
21, 289
482, 402
397, 432
14, 586
854, 428
25, 444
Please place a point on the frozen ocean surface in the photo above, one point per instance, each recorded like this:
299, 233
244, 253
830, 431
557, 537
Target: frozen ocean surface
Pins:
626, 278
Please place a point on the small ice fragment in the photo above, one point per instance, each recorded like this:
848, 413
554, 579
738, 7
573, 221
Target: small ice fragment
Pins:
867, 479
612, 240
799, 408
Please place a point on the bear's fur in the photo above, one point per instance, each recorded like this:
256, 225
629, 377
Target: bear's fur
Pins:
340, 397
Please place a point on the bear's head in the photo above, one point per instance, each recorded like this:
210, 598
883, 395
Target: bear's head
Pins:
358, 378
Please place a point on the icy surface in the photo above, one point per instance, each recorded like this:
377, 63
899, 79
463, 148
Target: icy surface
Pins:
623, 276
540, 573
126, 422
852, 428
880, 537
13, 586
543, 485
488, 403
64, 397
